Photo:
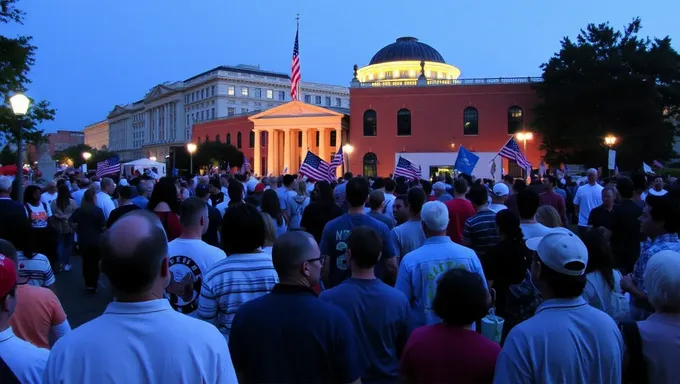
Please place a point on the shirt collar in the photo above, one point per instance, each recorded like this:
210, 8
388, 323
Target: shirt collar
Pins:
561, 304
438, 240
666, 238
142, 307
6, 334
292, 289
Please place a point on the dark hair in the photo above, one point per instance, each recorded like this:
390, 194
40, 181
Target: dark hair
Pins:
600, 257
348, 176
508, 179
235, 192
325, 193
270, 204
215, 183
288, 180
461, 297
625, 187
508, 225
365, 245
190, 210
639, 181
527, 203
88, 197
164, 191
63, 197
7, 249
29, 192
552, 180
415, 200
136, 272
427, 187
390, 185
403, 198
460, 185
356, 191
478, 195
518, 185
664, 208
125, 192
243, 229
375, 199
378, 183
564, 286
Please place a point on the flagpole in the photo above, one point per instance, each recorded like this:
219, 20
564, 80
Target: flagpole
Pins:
499, 152
297, 34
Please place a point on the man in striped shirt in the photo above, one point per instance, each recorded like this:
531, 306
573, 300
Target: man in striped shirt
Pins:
479, 232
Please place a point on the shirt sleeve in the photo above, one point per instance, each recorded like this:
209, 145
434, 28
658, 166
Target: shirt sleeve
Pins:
48, 275
467, 232
477, 267
577, 197
512, 366
394, 239
58, 314
207, 304
403, 282
344, 359
108, 207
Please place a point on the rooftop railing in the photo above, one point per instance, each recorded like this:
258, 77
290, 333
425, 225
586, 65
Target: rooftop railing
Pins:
445, 82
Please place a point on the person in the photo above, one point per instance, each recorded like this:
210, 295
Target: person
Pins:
217, 192
334, 238
50, 194
245, 274
409, 235
62, 208
211, 235
440, 192
286, 194
301, 202
289, 335
657, 187
34, 267
83, 185
534, 351
450, 351
269, 234
625, 231
527, 202
12, 211
603, 282
25, 361
44, 237
499, 194
107, 188
140, 328
376, 203
165, 204
144, 190
89, 223
390, 188
460, 209
190, 258
320, 211
479, 232
588, 196
420, 270
272, 207
548, 216
378, 313
400, 210
125, 205
602, 217
553, 199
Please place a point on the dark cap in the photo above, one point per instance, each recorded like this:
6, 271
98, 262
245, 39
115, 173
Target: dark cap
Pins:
202, 190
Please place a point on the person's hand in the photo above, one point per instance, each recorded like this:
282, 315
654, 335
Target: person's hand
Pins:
627, 283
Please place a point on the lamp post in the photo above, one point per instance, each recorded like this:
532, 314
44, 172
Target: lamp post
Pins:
20, 104
609, 141
152, 158
524, 136
348, 149
86, 156
191, 147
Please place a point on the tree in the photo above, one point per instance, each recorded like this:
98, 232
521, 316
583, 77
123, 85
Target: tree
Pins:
609, 82
73, 153
212, 153
16, 60
7, 156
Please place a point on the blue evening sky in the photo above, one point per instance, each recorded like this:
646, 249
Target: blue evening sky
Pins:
93, 54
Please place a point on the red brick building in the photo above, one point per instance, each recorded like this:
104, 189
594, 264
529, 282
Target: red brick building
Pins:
63, 139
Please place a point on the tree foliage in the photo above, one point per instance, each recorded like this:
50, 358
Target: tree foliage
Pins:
17, 56
75, 154
609, 82
212, 153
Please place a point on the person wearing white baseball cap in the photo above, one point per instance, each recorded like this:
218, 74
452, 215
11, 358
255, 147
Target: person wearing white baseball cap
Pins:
499, 194
549, 347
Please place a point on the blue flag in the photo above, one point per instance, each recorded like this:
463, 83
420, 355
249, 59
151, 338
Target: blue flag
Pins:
466, 161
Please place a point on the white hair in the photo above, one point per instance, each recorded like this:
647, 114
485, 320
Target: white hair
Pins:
592, 171
435, 215
662, 279
5, 183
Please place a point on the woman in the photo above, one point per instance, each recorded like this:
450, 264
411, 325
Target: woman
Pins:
548, 216
62, 209
302, 201
39, 214
235, 192
165, 204
272, 206
451, 351
34, 267
89, 223
320, 211
603, 282
269, 233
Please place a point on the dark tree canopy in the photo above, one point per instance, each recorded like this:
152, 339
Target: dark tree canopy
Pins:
75, 154
217, 154
17, 56
609, 82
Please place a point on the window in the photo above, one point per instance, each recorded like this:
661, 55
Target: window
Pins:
228, 138
308, 99
270, 94
338, 102
258, 92
370, 165
202, 115
238, 140
212, 91
202, 93
403, 74
470, 121
300, 139
230, 111
388, 74
515, 119
370, 123
244, 91
282, 95
263, 138
193, 95
251, 140
231, 90
213, 113
217, 139
264, 166
404, 122
334, 138
328, 101
318, 135
317, 100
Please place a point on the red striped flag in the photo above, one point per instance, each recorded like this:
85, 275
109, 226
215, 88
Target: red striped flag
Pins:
337, 161
108, 167
407, 169
295, 72
511, 151
657, 164
314, 167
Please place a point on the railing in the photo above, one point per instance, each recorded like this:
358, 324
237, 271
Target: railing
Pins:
440, 82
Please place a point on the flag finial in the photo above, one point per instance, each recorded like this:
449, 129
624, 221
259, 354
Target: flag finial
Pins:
297, 18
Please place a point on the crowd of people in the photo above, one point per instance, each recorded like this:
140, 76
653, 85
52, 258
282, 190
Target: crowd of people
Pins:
234, 278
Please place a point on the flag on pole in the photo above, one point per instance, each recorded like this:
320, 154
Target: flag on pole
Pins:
407, 169
108, 167
338, 160
245, 166
295, 74
314, 167
648, 170
466, 161
511, 151
657, 164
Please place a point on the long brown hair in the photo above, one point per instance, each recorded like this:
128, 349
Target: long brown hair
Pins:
63, 197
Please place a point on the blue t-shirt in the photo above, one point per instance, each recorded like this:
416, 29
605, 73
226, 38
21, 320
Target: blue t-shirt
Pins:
380, 316
334, 244
290, 336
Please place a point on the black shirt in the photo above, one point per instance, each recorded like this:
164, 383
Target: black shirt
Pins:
120, 212
625, 240
214, 222
216, 198
601, 217
316, 216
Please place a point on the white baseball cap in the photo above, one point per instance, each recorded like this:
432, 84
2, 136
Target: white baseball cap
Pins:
500, 189
439, 186
559, 248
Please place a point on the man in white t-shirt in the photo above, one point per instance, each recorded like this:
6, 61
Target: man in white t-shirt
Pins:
140, 337
190, 257
657, 187
50, 193
104, 201
499, 195
588, 196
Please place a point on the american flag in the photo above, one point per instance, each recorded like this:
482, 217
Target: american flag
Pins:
511, 152
107, 167
657, 164
295, 72
245, 166
337, 161
314, 167
407, 169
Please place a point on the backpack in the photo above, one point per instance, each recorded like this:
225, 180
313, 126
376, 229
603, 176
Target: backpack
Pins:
636, 371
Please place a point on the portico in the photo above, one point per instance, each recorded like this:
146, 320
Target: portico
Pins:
290, 130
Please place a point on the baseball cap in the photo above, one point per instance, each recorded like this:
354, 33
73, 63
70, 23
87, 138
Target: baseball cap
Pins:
202, 190
559, 248
8, 275
500, 189
259, 187
439, 186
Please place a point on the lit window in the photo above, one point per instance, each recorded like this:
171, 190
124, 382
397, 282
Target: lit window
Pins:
231, 90
270, 94
244, 91
470, 121
515, 119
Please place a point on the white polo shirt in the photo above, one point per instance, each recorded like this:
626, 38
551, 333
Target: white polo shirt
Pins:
146, 342
26, 361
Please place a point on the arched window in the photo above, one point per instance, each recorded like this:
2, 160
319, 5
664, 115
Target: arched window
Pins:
263, 139
238, 140
404, 122
470, 121
207, 138
370, 165
370, 123
251, 140
334, 138
228, 138
217, 138
515, 119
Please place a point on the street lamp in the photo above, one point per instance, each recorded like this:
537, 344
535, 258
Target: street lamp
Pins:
152, 158
20, 104
191, 147
87, 156
348, 149
609, 141
524, 137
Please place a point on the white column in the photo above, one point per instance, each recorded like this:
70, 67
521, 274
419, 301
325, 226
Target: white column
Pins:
271, 144
287, 163
257, 160
338, 145
305, 143
323, 149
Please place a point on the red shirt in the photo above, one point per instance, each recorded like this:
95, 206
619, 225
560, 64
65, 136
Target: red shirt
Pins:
444, 354
459, 211
171, 224
555, 200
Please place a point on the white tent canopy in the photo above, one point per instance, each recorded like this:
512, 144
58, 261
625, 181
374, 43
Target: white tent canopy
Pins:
142, 164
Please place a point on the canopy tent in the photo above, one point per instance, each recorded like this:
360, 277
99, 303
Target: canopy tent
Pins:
143, 164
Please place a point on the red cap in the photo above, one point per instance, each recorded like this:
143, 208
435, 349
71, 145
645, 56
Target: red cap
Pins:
8, 275
259, 188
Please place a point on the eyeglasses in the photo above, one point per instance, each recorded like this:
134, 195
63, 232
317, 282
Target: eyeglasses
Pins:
319, 259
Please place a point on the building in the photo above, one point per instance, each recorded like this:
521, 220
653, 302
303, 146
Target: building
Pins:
97, 135
164, 118
63, 139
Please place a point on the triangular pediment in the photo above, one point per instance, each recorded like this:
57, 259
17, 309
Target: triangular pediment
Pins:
117, 110
294, 109
157, 92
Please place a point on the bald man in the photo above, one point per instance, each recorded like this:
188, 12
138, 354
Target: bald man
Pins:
139, 330
588, 196
325, 344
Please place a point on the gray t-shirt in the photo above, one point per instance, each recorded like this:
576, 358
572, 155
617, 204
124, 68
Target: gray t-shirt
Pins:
383, 218
408, 236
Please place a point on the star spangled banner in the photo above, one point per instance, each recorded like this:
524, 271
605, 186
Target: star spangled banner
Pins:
337, 161
295, 74
407, 169
108, 167
511, 151
314, 167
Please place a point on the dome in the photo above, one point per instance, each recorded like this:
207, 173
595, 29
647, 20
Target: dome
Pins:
407, 49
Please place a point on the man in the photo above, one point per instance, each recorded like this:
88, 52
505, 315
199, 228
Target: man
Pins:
104, 201
25, 362
640, 183
140, 328
588, 196
400, 209
535, 351
419, 271
527, 205
657, 187
83, 185
50, 193
217, 195
190, 257
409, 235
378, 312
602, 217
460, 209
286, 194
125, 205
289, 335
211, 235
480, 232
376, 202
11, 211
554, 199
335, 233
625, 239
440, 192
144, 189
499, 195
390, 187
339, 191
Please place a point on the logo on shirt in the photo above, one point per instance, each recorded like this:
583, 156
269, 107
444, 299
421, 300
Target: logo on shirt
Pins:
185, 284
341, 248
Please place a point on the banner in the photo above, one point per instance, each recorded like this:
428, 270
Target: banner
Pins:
611, 164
